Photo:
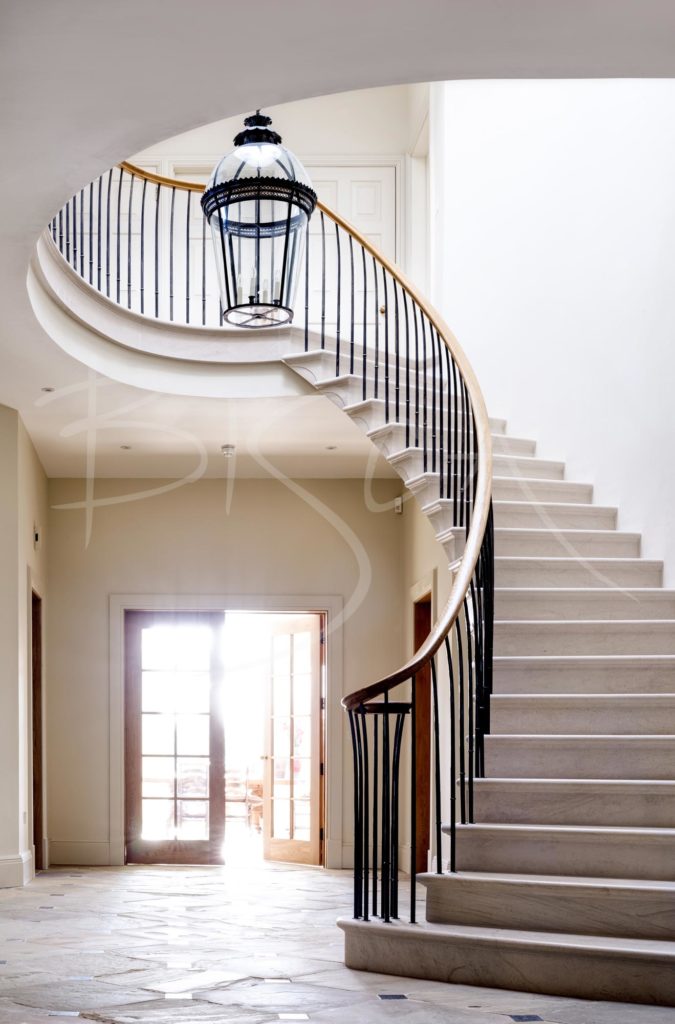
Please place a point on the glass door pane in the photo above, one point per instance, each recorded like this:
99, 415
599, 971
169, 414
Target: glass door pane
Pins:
174, 737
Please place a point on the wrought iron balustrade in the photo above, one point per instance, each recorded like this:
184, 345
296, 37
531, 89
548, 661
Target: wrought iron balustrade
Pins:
141, 241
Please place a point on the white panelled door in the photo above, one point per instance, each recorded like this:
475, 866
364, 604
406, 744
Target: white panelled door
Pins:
365, 196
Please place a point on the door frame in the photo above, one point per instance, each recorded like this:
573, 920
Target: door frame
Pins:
330, 605
37, 721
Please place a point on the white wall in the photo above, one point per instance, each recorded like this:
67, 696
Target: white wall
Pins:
271, 543
554, 264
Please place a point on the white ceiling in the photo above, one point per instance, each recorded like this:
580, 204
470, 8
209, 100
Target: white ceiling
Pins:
83, 85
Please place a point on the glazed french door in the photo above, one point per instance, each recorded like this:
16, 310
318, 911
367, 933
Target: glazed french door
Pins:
174, 738
292, 790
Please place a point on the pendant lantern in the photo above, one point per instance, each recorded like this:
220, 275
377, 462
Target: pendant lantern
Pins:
258, 203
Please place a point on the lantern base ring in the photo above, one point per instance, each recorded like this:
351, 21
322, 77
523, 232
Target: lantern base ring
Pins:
258, 314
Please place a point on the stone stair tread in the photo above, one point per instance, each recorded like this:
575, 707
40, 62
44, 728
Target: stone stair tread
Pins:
516, 938
577, 698
546, 660
606, 831
611, 783
590, 881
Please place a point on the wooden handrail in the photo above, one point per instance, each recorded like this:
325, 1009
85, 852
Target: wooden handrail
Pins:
481, 508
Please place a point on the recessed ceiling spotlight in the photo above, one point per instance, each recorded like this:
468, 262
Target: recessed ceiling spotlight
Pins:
47, 391
125, 447
331, 447
227, 450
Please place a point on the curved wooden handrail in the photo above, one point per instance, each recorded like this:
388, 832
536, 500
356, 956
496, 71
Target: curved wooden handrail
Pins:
481, 507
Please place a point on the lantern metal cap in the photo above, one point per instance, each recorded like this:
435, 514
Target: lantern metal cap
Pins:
257, 131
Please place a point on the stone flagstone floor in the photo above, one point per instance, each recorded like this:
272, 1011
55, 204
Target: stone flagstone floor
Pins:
185, 945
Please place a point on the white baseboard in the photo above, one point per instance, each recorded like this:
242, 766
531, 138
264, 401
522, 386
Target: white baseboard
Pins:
80, 854
16, 869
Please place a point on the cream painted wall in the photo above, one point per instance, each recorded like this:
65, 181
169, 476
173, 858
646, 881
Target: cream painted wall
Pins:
22, 503
384, 122
185, 542
554, 214
33, 511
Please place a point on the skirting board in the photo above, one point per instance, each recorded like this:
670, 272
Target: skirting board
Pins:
16, 869
81, 854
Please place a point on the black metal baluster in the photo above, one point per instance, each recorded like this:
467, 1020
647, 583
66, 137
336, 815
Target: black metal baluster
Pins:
74, 202
437, 767
358, 819
98, 233
365, 345
407, 370
386, 345
157, 251
338, 301
82, 233
453, 763
307, 238
141, 281
323, 281
395, 773
61, 231
432, 346
376, 754
131, 199
470, 698
68, 231
118, 244
366, 814
425, 404
417, 379
397, 357
91, 233
171, 218
448, 424
461, 719
187, 257
456, 453
107, 234
351, 317
441, 424
476, 608
377, 331
204, 271
413, 799
386, 811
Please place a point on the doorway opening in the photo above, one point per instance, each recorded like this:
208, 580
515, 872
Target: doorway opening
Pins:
224, 737
422, 628
36, 700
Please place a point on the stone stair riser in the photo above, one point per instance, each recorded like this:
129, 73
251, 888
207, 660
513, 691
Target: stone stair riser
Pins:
523, 756
649, 805
532, 904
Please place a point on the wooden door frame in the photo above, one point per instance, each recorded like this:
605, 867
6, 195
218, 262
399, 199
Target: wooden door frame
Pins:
37, 730
312, 851
337, 854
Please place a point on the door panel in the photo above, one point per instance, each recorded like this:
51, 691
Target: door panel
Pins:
292, 789
174, 738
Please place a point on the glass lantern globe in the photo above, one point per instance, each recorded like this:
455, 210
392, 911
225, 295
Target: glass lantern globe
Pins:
258, 203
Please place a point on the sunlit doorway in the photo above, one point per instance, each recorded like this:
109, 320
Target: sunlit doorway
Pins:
224, 737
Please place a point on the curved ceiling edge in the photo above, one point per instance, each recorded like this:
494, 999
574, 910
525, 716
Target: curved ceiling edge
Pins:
196, 378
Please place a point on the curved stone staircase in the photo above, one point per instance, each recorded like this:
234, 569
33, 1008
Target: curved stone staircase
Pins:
566, 882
